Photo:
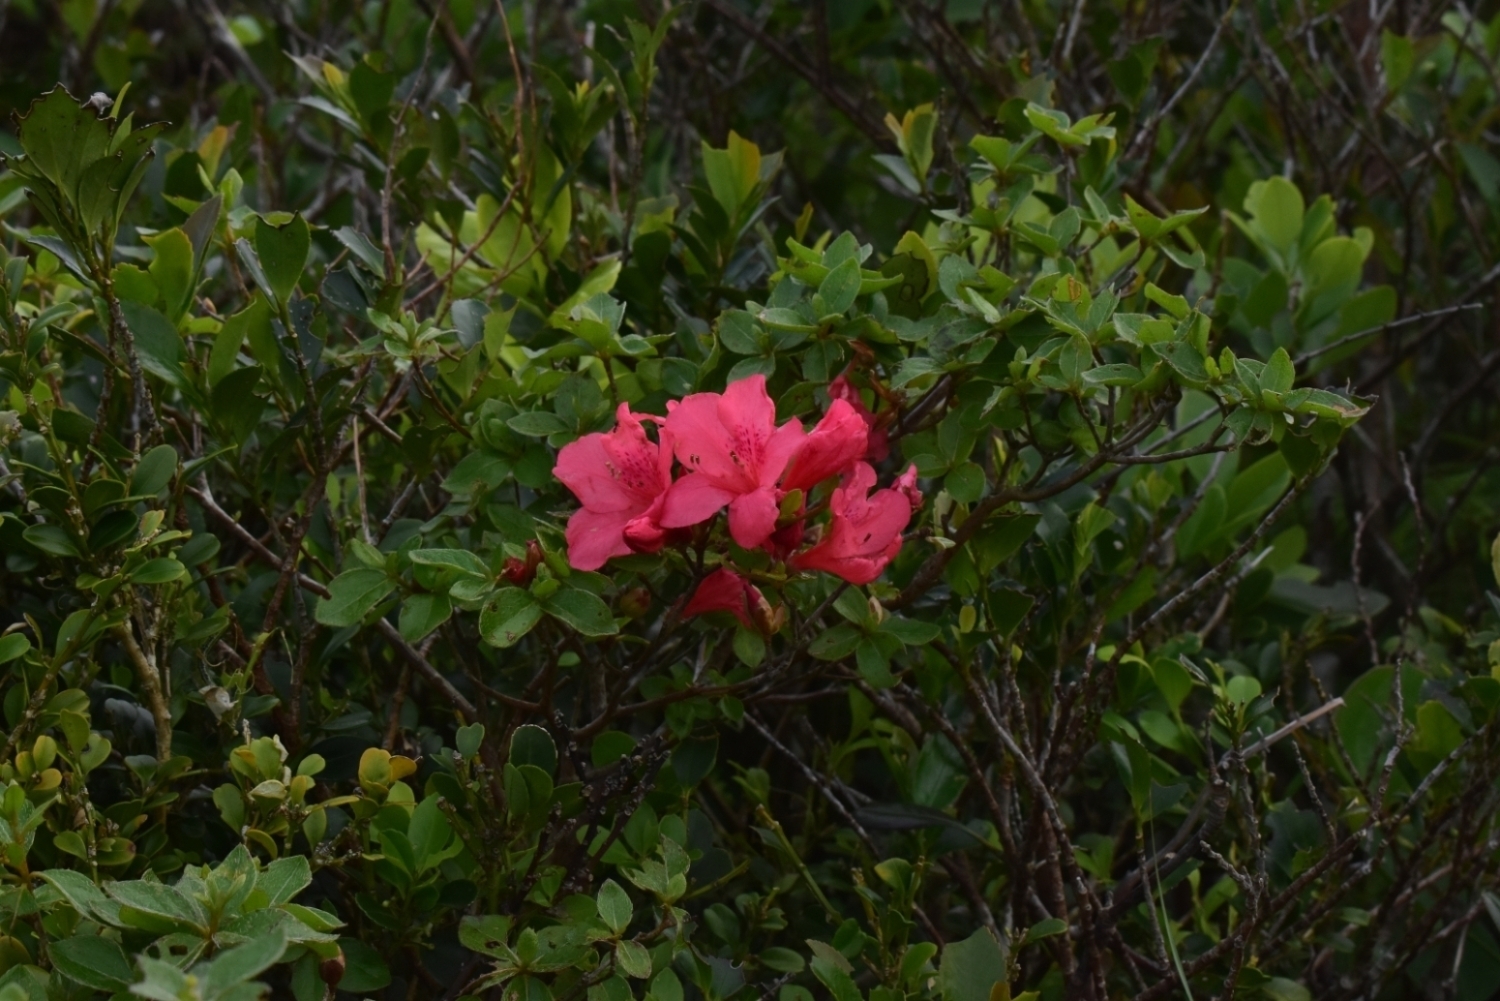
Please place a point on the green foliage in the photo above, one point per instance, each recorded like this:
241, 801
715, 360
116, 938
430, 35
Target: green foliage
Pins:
290, 618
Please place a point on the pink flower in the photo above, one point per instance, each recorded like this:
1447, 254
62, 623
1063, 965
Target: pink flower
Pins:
726, 591
621, 479
864, 533
836, 444
734, 454
879, 441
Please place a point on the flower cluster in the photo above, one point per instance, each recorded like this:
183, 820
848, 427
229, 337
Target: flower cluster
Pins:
728, 453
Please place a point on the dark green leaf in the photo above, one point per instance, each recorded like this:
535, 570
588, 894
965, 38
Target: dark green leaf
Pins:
352, 594
585, 612
282, 251
93, 961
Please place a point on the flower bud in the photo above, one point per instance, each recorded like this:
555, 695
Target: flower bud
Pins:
767, 619
791, 506
521, 572
332, 970
635, 602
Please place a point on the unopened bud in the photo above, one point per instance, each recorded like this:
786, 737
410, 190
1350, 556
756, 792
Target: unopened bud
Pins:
767, 619
791, 506
332, 970
521, 572
635, 602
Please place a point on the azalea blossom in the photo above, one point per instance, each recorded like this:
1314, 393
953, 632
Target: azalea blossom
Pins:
864, 533
879, 441
621, 479
726, 591
831, 449
735, 455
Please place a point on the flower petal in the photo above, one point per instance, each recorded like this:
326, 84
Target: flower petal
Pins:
701, 441
621, 470
583, 467
692, 499
781, 449
752, 517
836, 444
760, 448
594, 536
723, 591
864, 534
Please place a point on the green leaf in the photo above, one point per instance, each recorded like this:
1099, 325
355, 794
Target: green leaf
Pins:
83, 895
1277, 208
93, 961
1278, 374
467, 739
172, 270
910, 631
781, 960
738, 332
163, 981
965, 483
485, 934
585, 612
282, 251
749, 646
72, 427
537, 424
532, 745
835, 644
633, 959
1397, 58
51, 539
1282, 989
1185, 361
154, 471
733, 172
233, 334
1336, 263
1046, 929
429, 833
242, 963
840, 287
234, 401
422, 613
351, 596
161, 570
156, 907
508, 616
1242, 689
874, 666
970, 968
284, 878
365, 970
62, 137
614, 905
156, 342
13, 645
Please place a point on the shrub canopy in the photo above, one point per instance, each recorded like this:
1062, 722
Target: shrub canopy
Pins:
918, 501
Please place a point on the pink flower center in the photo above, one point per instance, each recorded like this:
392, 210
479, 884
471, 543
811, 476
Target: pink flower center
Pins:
749, 447
635, 470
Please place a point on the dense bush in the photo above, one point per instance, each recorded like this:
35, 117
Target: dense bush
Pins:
477, 525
